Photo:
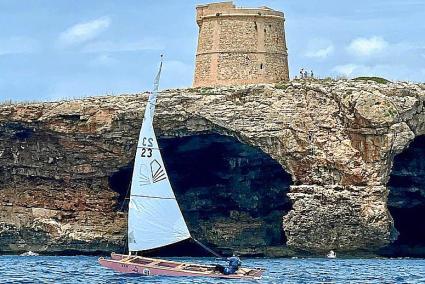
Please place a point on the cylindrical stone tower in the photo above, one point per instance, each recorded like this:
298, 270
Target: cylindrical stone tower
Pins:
240, 46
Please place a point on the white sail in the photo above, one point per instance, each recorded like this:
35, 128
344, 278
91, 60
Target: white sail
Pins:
154, 217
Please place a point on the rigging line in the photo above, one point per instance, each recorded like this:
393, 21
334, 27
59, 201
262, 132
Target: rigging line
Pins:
126, 194
154, 197
207, 248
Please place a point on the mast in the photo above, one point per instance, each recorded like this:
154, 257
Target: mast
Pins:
150, 107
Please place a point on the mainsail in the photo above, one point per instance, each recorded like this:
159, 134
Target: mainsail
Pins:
154, 217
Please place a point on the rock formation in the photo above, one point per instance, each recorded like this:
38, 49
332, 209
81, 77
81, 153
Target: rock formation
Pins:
64, 166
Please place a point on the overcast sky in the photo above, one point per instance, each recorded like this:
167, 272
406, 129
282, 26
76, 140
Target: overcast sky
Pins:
51, 49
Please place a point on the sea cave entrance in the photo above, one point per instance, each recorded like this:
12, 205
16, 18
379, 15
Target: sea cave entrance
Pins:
406, 201
233, 195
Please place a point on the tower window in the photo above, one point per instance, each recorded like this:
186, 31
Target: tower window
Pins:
261, 66
255, 25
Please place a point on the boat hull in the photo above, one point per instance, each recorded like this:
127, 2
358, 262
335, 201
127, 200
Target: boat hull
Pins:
159, 267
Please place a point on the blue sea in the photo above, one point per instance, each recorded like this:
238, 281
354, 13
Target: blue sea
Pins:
84, 269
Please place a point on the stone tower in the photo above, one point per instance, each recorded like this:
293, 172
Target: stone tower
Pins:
240, 46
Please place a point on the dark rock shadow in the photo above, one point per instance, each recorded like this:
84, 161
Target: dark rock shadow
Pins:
232, 195
406, 202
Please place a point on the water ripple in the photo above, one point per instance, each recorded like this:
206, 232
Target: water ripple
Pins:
84, 269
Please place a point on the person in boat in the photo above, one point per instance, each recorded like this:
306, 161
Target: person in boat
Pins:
234, 263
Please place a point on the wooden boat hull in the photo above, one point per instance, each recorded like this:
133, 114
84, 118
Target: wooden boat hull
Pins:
159, 267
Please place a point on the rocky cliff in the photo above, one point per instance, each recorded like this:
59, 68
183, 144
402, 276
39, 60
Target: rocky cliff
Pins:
306, 165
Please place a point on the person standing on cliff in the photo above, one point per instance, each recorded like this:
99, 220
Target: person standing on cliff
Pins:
302, 73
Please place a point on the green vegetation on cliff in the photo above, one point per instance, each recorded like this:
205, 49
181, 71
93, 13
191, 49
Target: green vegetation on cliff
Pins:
375, 79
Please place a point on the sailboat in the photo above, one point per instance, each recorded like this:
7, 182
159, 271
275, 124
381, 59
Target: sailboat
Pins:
154, 217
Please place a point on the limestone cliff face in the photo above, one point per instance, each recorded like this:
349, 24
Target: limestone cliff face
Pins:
61, 163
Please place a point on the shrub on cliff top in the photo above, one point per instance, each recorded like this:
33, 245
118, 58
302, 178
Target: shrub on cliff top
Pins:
375, 79
282, 85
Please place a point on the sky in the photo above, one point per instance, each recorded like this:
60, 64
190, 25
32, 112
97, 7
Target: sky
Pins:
55, 49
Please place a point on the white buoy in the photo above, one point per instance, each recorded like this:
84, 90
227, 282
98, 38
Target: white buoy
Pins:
29, 253
331, 254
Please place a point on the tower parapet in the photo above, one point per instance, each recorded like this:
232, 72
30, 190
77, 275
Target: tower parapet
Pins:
240, 45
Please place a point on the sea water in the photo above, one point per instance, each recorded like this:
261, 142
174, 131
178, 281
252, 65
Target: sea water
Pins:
84, 269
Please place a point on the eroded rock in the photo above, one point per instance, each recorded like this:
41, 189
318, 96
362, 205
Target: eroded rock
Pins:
337, 139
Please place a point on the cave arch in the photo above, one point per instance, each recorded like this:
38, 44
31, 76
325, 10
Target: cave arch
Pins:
233, 195
406, 201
